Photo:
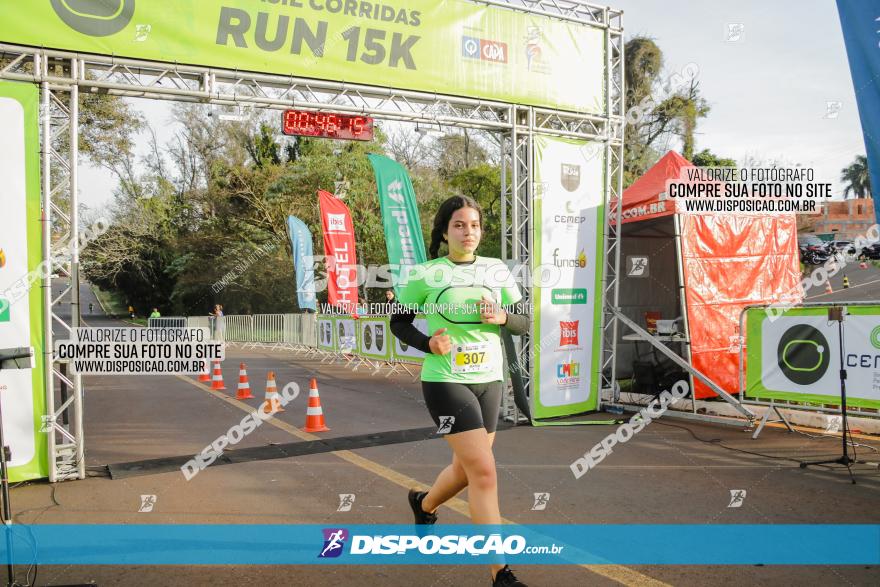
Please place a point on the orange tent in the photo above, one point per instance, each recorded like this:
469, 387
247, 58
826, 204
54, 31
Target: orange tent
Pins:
726, 261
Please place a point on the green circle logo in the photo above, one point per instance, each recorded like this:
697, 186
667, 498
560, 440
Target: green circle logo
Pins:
875, 338
96, 18
803, 354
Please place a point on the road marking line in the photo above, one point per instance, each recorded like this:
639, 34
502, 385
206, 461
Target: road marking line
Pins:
621, 574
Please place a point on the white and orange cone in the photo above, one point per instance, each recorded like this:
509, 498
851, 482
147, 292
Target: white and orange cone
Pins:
244, 386
205, 376
314, 413
217, 380
828, 288
273, 400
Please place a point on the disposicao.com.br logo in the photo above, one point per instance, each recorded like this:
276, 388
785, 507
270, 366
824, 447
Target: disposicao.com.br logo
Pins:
449, 544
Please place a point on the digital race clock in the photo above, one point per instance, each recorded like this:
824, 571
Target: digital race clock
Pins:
327, 125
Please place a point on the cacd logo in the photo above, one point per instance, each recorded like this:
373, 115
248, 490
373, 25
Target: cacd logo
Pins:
803, 354
96, 18
570, 176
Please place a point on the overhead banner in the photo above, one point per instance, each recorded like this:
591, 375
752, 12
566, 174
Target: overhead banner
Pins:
860, 22
301, 244
446, 46
795, 356
21, 303
339, 252
400, 215
568, 258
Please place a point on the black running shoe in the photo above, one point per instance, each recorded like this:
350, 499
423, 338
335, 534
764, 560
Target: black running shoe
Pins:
506, 578
415, 502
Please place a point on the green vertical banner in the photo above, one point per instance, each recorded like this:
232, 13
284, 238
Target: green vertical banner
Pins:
568, 256
21, 302
400, 215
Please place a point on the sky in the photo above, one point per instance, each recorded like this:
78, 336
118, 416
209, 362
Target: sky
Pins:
768, 88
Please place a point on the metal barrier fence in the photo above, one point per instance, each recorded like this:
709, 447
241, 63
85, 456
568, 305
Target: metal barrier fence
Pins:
167, 322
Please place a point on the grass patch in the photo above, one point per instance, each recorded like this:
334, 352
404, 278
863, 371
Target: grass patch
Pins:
111, 301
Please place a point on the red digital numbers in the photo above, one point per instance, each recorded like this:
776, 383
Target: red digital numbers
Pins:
327, 125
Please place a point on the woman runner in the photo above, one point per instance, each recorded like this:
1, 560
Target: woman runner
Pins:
461, 295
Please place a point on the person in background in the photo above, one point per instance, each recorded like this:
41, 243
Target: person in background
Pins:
91, 307
219, 330
155, 313
131, 311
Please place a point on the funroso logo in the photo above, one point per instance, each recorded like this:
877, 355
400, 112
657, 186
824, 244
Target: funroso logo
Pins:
96, 18
803, 354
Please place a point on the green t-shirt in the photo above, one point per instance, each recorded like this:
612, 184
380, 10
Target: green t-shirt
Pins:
449, 295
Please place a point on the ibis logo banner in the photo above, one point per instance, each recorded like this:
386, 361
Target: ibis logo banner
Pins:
797, 356
454, 47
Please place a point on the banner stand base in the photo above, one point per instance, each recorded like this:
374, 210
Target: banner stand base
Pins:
766, 419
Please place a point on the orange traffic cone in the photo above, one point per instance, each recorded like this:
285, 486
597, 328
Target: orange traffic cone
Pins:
244, 386
828, 289
205, 376
314, 413
273, 400
217, 381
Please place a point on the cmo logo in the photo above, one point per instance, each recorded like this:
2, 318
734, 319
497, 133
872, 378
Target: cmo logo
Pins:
96, 18
803, 354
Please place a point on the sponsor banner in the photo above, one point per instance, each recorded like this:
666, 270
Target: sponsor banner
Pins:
326, 333
400, 215
301, 246
404, 352
567, 318
339, 252
375, 338
796, 356
346, 335
21, 321
657, 544
446, 46
860, 22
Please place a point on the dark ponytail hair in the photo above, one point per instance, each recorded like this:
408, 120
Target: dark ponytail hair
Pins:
444, 215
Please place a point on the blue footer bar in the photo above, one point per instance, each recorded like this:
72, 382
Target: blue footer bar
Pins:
654, 544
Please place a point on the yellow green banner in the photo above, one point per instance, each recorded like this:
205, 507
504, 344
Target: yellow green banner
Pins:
448, 46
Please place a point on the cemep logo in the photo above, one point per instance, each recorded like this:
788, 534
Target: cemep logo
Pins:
96, 18
334, 542
803, 354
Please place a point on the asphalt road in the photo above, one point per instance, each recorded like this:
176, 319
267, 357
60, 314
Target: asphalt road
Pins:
671, 472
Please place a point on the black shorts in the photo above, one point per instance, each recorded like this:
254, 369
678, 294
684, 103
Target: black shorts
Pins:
475, 405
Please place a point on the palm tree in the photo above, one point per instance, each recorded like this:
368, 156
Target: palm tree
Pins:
857, 178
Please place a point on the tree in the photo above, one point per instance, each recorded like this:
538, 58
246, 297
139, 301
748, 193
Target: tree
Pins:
707, 158
657, 110
857, 178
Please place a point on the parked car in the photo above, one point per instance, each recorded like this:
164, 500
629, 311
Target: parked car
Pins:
844, 247
871, 252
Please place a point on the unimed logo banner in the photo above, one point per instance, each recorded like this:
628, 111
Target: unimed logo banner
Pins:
796, 355
446, 46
